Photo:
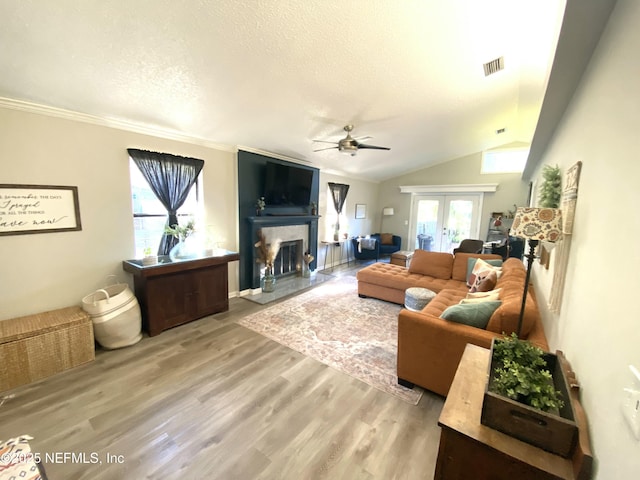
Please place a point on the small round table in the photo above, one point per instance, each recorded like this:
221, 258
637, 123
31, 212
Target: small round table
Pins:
416, 298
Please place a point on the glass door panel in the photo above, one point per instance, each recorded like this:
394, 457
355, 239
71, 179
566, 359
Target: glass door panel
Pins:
459, 214
428, 222
440, 222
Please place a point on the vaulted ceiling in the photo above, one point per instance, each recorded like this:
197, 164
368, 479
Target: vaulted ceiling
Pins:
275, 75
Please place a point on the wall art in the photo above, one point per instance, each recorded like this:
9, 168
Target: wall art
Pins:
38, 209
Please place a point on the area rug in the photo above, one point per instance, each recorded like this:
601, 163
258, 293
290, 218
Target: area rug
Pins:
357, 336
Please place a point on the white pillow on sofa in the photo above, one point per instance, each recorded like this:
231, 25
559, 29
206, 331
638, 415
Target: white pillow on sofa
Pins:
492, 297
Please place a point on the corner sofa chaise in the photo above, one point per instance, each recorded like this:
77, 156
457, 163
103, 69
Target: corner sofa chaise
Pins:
430, 347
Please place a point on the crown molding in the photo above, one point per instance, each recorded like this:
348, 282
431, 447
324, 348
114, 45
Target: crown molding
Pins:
128, 126
258, 151
470, 188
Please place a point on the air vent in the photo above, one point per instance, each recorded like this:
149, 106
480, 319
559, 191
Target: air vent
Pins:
493, 66
500, 130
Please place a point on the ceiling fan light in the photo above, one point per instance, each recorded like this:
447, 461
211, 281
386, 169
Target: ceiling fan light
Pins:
349, 149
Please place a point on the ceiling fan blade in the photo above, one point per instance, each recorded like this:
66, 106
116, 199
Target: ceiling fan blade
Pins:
328, 148
363, 145
324, 141
366, 137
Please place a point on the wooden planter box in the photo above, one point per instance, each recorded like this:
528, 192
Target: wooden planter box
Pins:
553, 433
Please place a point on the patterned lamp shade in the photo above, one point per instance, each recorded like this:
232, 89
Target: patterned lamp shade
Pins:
537, 224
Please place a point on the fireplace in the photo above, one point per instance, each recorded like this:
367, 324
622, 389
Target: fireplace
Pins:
289, 259
297, 233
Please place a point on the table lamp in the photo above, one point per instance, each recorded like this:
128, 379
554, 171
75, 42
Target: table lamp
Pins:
534, 225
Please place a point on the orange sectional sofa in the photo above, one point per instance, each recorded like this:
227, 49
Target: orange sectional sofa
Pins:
429, 347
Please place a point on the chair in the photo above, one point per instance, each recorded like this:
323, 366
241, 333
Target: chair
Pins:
388, 248
501, 249
365, 253
469, 246
509, 247
516, 247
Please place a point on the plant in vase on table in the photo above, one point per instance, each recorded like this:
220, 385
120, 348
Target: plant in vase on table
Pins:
182, 250
266, 255
149, 258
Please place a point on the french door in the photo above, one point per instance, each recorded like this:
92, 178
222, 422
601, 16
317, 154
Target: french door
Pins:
440, 222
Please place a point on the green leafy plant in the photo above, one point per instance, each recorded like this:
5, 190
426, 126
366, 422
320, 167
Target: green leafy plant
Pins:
181, 233
551, 189
522, 374
260, 203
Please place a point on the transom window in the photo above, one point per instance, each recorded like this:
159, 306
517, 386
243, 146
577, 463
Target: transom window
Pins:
512, 160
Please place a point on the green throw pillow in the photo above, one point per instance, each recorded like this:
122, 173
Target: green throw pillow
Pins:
473, 314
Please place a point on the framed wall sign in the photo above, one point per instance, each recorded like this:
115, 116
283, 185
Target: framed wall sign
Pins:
38, 209
361, 210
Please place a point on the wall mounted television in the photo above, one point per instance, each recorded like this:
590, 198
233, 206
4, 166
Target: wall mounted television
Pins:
287, 185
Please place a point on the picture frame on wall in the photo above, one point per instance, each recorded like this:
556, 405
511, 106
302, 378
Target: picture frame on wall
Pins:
361, 211
26, 209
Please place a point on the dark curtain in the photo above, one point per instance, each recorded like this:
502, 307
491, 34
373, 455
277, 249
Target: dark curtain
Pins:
170, 177
339, 194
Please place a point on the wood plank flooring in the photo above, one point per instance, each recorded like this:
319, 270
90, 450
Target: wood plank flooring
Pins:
214, 400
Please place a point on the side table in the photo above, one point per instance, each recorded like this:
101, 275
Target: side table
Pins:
336, 243
402, 258
172, 293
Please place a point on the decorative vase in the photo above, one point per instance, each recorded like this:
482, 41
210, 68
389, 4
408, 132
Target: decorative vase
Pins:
336, 236
183, 250
258, 212
268, 280
306, 273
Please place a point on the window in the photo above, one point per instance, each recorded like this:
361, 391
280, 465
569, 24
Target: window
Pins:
331, 217
150, 216
511, 160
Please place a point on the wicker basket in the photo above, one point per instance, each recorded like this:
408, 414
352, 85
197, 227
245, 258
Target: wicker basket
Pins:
38, 346
116, 316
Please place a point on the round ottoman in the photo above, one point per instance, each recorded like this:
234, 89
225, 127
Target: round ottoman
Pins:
416, 298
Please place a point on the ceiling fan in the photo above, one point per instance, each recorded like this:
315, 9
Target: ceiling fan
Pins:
350, 145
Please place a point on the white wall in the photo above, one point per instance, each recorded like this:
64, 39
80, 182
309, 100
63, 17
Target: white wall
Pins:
598, 327
466, 170
45, 271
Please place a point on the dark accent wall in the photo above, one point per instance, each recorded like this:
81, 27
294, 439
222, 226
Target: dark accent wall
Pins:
251, 170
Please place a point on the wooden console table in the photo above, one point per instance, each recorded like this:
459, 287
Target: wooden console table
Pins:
173, 293
470, 450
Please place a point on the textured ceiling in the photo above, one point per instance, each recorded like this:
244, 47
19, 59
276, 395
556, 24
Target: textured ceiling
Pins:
274, 75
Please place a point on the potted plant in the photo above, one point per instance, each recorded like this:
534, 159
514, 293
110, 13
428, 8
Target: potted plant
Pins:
149, 258
527, 396
314, 208
267, 253
182, 250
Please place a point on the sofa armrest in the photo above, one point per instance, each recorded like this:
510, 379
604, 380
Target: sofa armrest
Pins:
430, 349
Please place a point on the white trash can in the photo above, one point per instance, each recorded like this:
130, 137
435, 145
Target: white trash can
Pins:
115, 312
